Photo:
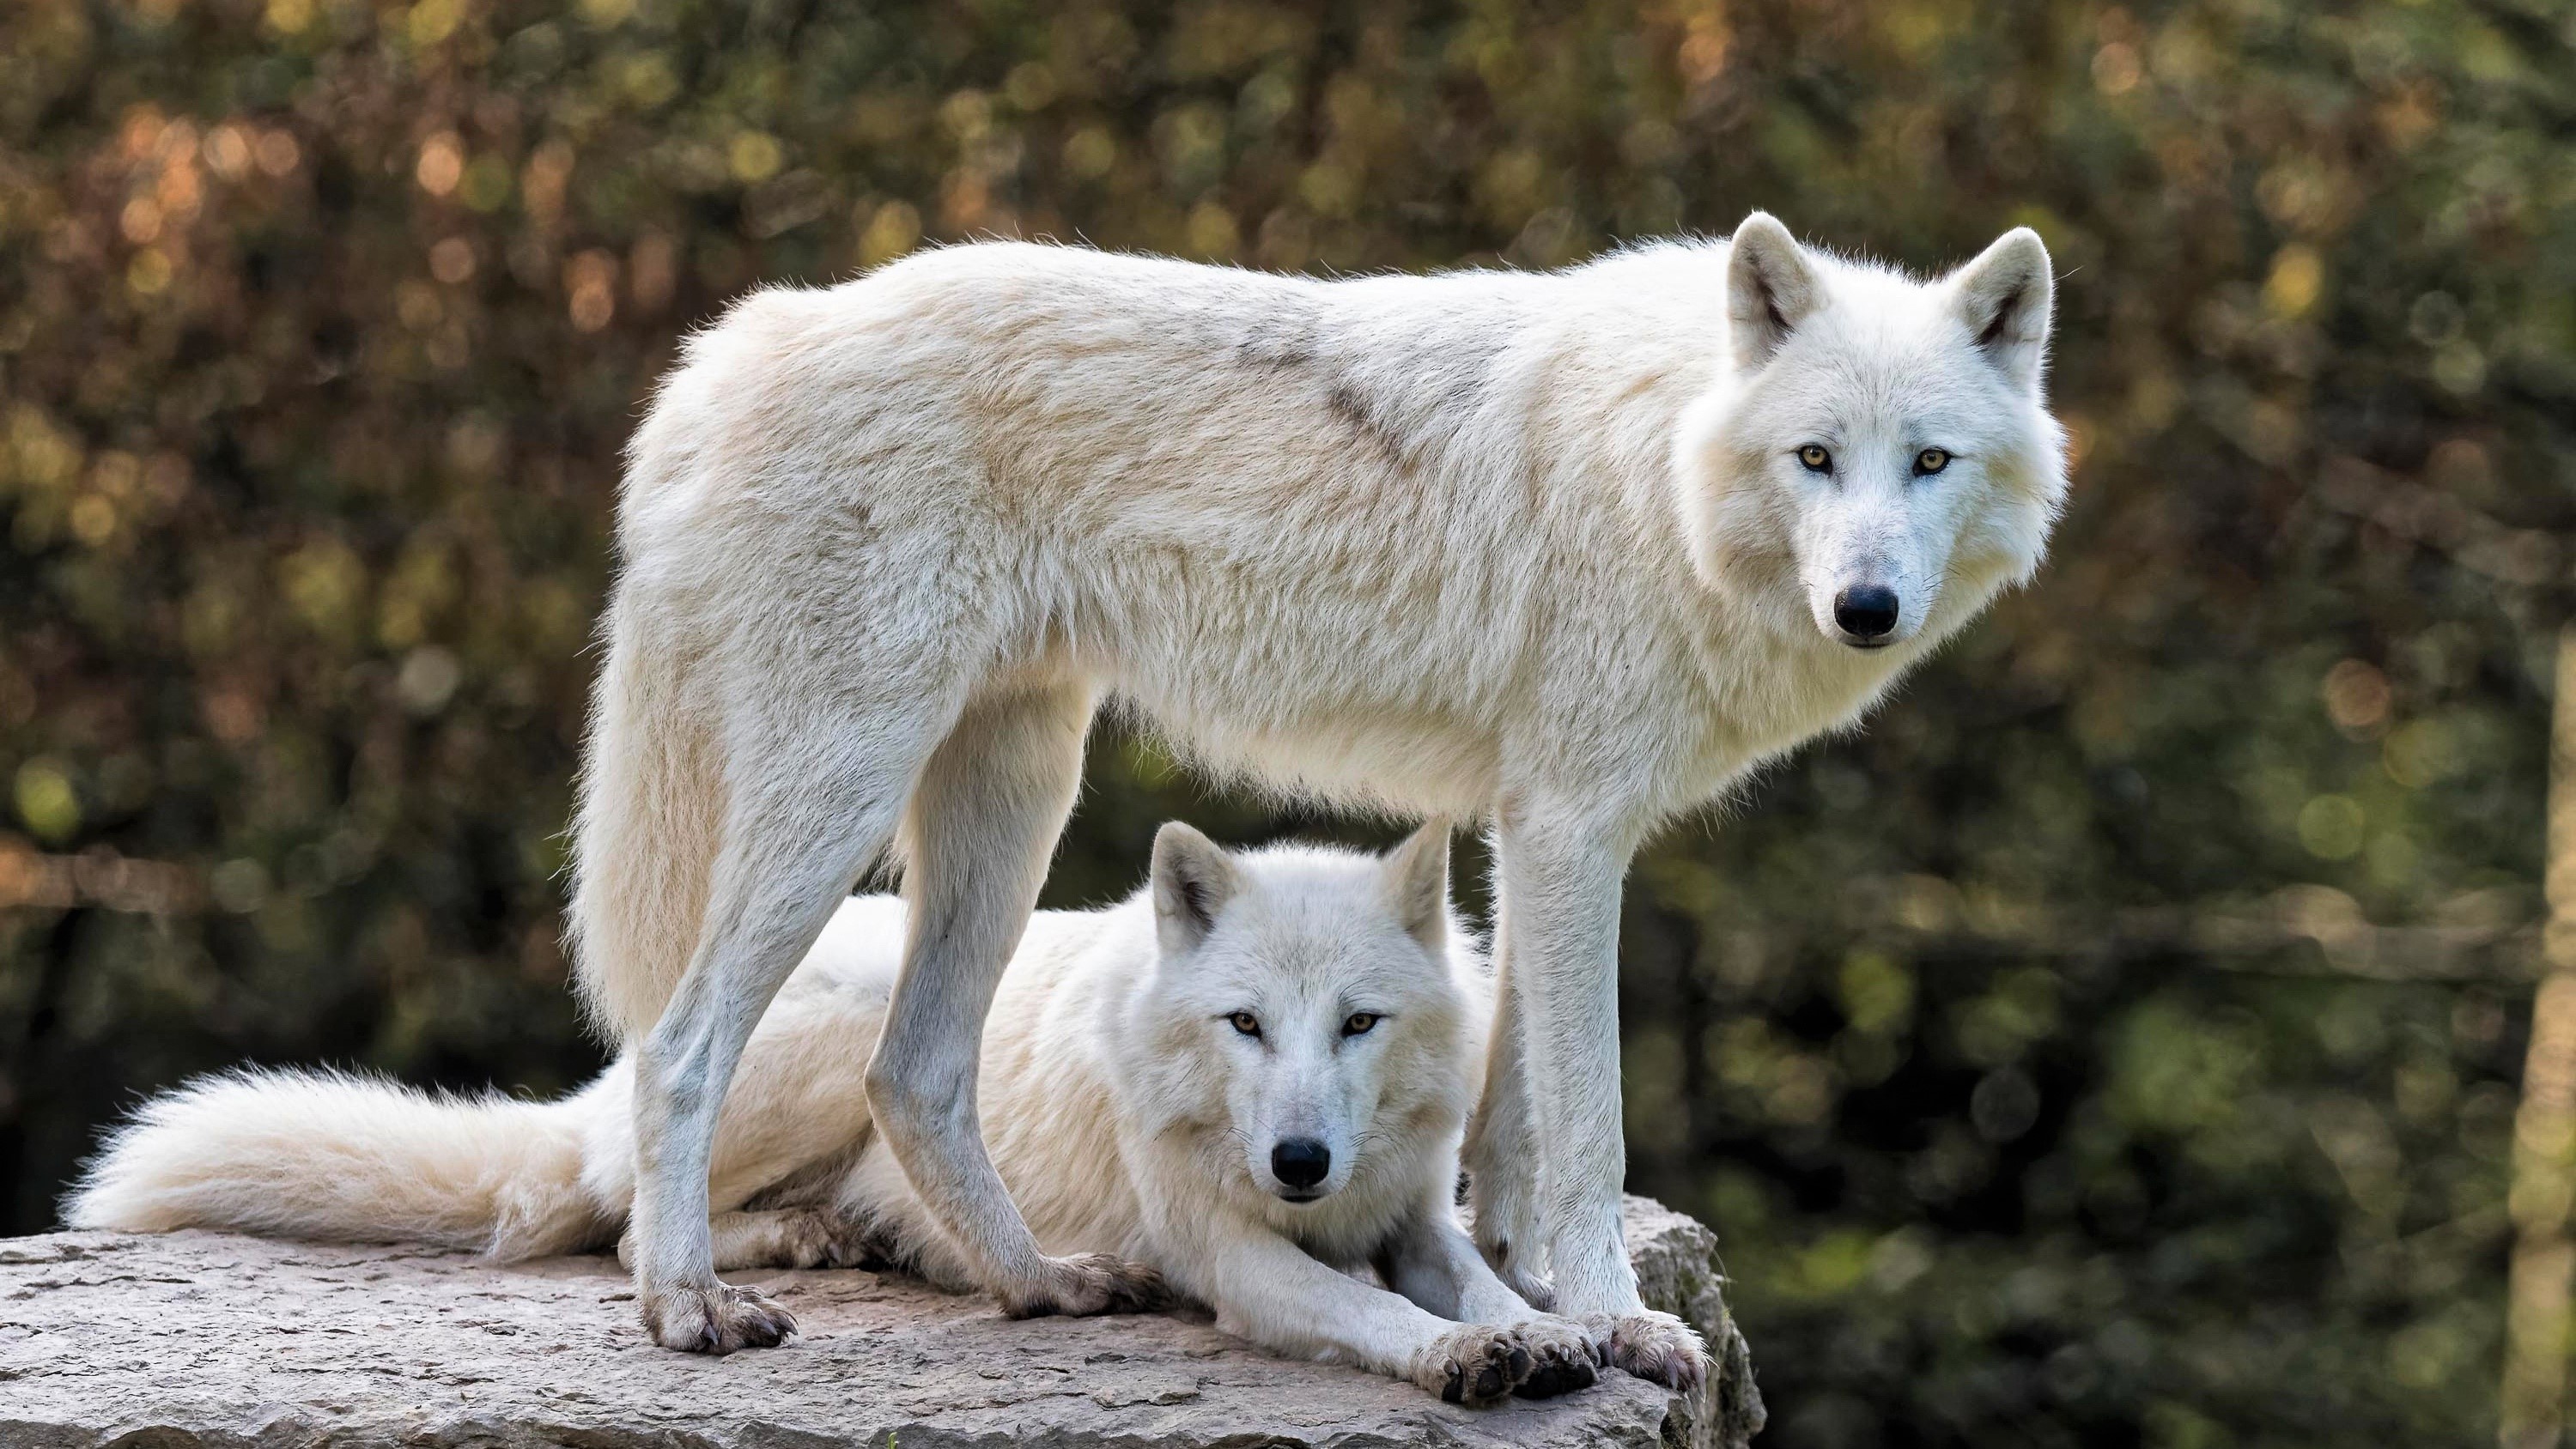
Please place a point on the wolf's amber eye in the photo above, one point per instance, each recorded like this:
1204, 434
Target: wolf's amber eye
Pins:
1930, 461
1246, 1022
1815, 458
1359, 1023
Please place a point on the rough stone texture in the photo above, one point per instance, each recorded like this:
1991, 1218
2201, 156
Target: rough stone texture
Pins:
209, 1339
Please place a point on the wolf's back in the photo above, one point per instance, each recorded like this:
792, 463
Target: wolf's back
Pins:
338, 1157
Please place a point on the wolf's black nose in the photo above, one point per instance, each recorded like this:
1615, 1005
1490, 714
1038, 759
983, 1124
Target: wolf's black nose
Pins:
1301, 1161
1866, 611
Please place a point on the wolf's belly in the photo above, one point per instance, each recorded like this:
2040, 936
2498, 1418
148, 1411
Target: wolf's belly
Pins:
1411, 761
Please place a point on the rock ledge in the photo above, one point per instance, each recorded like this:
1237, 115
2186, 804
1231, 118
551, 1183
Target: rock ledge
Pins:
205, 1339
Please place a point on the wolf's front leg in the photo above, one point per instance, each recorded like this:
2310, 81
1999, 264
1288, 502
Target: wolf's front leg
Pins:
1437, 1266
1271, 1291
1500, 1152
1559, 919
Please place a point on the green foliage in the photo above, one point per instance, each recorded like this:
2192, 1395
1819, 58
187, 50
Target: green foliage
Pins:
2030, 1050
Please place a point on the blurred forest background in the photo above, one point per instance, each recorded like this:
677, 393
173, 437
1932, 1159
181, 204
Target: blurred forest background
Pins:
2120, 1042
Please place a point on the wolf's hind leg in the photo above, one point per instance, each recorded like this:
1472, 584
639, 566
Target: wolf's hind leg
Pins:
781, 1238
791, 1238
984, 820
816, 782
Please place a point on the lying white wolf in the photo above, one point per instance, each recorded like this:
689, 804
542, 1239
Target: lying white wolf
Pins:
1570, 552
1253, 1076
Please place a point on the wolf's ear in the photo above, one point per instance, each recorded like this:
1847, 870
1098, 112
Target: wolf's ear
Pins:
1193, 878
1771, 287
2005, 296
1417, 884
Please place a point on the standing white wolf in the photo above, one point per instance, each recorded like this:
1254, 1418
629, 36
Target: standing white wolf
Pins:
1253, 1076
1568, 552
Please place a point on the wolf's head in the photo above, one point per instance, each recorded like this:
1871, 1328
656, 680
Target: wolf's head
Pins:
1310, 1019
1877, 455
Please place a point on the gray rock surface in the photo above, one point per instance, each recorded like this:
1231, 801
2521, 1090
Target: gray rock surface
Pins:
215, 1340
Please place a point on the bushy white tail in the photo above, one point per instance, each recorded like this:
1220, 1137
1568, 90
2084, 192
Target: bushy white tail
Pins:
338, 1157
652, 808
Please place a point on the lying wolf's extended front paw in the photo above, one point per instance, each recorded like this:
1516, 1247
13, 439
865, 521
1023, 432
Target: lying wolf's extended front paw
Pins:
1563, 1357
1651, 1345
1473, 1363
716, 1320
1089, 1283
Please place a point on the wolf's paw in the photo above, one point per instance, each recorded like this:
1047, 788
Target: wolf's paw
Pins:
1513, 1267
807, 1239
819, 1238
1473, 1363
1563, 1358
1653, 1346
1508, 1232
1089, 1283
716, 1320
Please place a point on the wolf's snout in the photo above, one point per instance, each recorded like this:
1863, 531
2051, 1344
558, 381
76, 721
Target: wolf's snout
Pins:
1866, 612
1301, 1162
